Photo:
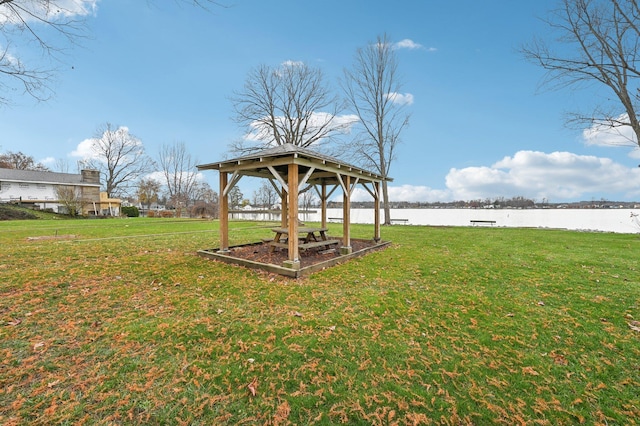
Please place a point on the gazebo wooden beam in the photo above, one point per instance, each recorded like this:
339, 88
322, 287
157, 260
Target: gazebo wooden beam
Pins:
224, 213
346, 215
294, 260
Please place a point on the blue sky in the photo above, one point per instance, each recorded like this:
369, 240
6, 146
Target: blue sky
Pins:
480, 127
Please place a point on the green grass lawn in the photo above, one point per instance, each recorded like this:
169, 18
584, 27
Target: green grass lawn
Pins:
125, 324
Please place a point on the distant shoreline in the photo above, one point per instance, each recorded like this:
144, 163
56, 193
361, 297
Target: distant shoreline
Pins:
618, 220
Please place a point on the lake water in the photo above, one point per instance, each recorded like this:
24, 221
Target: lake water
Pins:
606, 220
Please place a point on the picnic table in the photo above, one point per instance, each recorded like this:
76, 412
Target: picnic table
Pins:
309, 238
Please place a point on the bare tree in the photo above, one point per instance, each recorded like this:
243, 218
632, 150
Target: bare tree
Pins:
597, 42
308, 199
51, 26
179, 171
206, 201
70, 198
20, 161
235, 197
372, 88
148, 191
204, 192
287, 104
62, 165
266, 195
120, 158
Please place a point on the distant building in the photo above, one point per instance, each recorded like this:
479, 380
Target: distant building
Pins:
41, 190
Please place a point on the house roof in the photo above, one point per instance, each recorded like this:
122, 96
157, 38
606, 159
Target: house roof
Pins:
325, 167
32, 176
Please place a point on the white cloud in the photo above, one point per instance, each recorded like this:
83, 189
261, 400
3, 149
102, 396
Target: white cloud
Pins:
400, 99
407, 44
7, 57
556, 176
37, 10
412, 45
290, 63
604, 134
84, 150
538, 175
404, 193
418, 193
159, 176
344, 123
48, 161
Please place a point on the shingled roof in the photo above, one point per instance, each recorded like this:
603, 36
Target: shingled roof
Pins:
32, 176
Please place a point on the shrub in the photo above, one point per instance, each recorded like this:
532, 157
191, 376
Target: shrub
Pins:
130, 211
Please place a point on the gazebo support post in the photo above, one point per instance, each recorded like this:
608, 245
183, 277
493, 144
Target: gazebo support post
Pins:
294, 259
346, 216
224, 213
284, 207
376, 211
323, 202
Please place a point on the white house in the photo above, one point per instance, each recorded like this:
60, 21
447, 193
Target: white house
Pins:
41, 189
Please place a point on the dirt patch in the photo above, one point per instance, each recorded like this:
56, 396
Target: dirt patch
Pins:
260, 252
52, 237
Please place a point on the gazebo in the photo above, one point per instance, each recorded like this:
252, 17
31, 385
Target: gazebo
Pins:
293, 170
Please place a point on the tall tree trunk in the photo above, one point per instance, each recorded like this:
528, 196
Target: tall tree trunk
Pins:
385, 203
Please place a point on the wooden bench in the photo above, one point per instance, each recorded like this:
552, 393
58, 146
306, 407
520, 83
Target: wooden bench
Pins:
278, 244
305, 246
334, 219
315, 244
315, 237
483, 222
405, 221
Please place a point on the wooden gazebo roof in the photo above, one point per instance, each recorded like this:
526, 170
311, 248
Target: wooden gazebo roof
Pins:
293, 169
326, 168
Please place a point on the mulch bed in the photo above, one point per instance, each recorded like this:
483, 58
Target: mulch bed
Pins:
259, 252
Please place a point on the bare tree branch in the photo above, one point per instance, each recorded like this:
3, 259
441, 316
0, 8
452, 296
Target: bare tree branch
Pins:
287, 104
38, 23
120, 158
597, 43
179, 171
31, 23
20, 161
372, 87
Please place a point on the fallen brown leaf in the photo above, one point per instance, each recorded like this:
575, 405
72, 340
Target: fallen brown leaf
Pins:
15, 322
253, 387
